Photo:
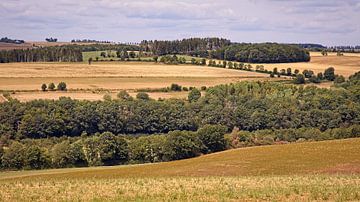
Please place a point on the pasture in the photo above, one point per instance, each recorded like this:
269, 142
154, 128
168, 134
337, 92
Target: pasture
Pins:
326, 170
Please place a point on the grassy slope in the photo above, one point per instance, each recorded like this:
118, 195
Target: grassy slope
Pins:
338, 156
277, 173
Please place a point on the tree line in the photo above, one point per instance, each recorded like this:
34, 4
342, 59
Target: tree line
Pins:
248, 106
109, 149
191, 46
261, 53
45, 54
15, 41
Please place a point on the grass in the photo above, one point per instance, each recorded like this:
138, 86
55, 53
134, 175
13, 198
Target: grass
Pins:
319, 171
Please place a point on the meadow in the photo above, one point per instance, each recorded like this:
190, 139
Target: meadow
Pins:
327, 170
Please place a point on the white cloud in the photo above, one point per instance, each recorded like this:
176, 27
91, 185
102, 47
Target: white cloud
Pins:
133, 20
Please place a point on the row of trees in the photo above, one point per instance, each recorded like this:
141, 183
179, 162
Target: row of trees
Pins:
46, 54
109, 149
61, 86
247, 105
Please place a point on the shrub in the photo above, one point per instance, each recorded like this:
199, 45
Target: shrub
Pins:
299, 79
175, 87
123, 95
142, 96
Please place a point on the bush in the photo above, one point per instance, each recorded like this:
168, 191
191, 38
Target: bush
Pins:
175, 87
185, 88
299, 79
142, 96
203, 88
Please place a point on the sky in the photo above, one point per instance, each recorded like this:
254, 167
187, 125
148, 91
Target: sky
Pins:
328, 22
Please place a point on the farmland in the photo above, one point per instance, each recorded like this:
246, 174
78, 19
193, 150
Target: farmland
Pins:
326, 170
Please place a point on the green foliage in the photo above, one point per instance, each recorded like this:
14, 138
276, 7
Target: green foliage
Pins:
142, 96
299, 79
43, 87
52, 86
35, 158
181, 145
13, 157
175, 87
339, 79
124, 96
329, 74
194, 95
62, 86
212, 136
265, 53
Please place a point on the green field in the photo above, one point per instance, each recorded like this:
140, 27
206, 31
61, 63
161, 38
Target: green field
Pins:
326, 170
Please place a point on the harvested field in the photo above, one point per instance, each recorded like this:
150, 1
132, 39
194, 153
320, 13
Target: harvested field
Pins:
93, 96
317, 171
344, 65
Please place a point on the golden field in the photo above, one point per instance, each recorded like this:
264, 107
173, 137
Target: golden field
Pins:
328, 170
344, 65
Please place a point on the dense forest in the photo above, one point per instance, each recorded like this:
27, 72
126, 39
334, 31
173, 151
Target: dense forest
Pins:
192, 46
262, 53
65, 53
68, 133
46, 54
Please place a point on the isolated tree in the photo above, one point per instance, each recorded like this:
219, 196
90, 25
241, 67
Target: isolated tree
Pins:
275, 70
90, 61
51, 86
43, 87
175, 87
324, 53
299, 79
142, 96
97, 58
288, 71
62, 86
194, 95
103, 54
329, 74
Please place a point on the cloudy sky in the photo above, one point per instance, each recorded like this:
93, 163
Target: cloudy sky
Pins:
330, 22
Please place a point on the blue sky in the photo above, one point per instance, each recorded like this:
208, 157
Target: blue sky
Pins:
329, 22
